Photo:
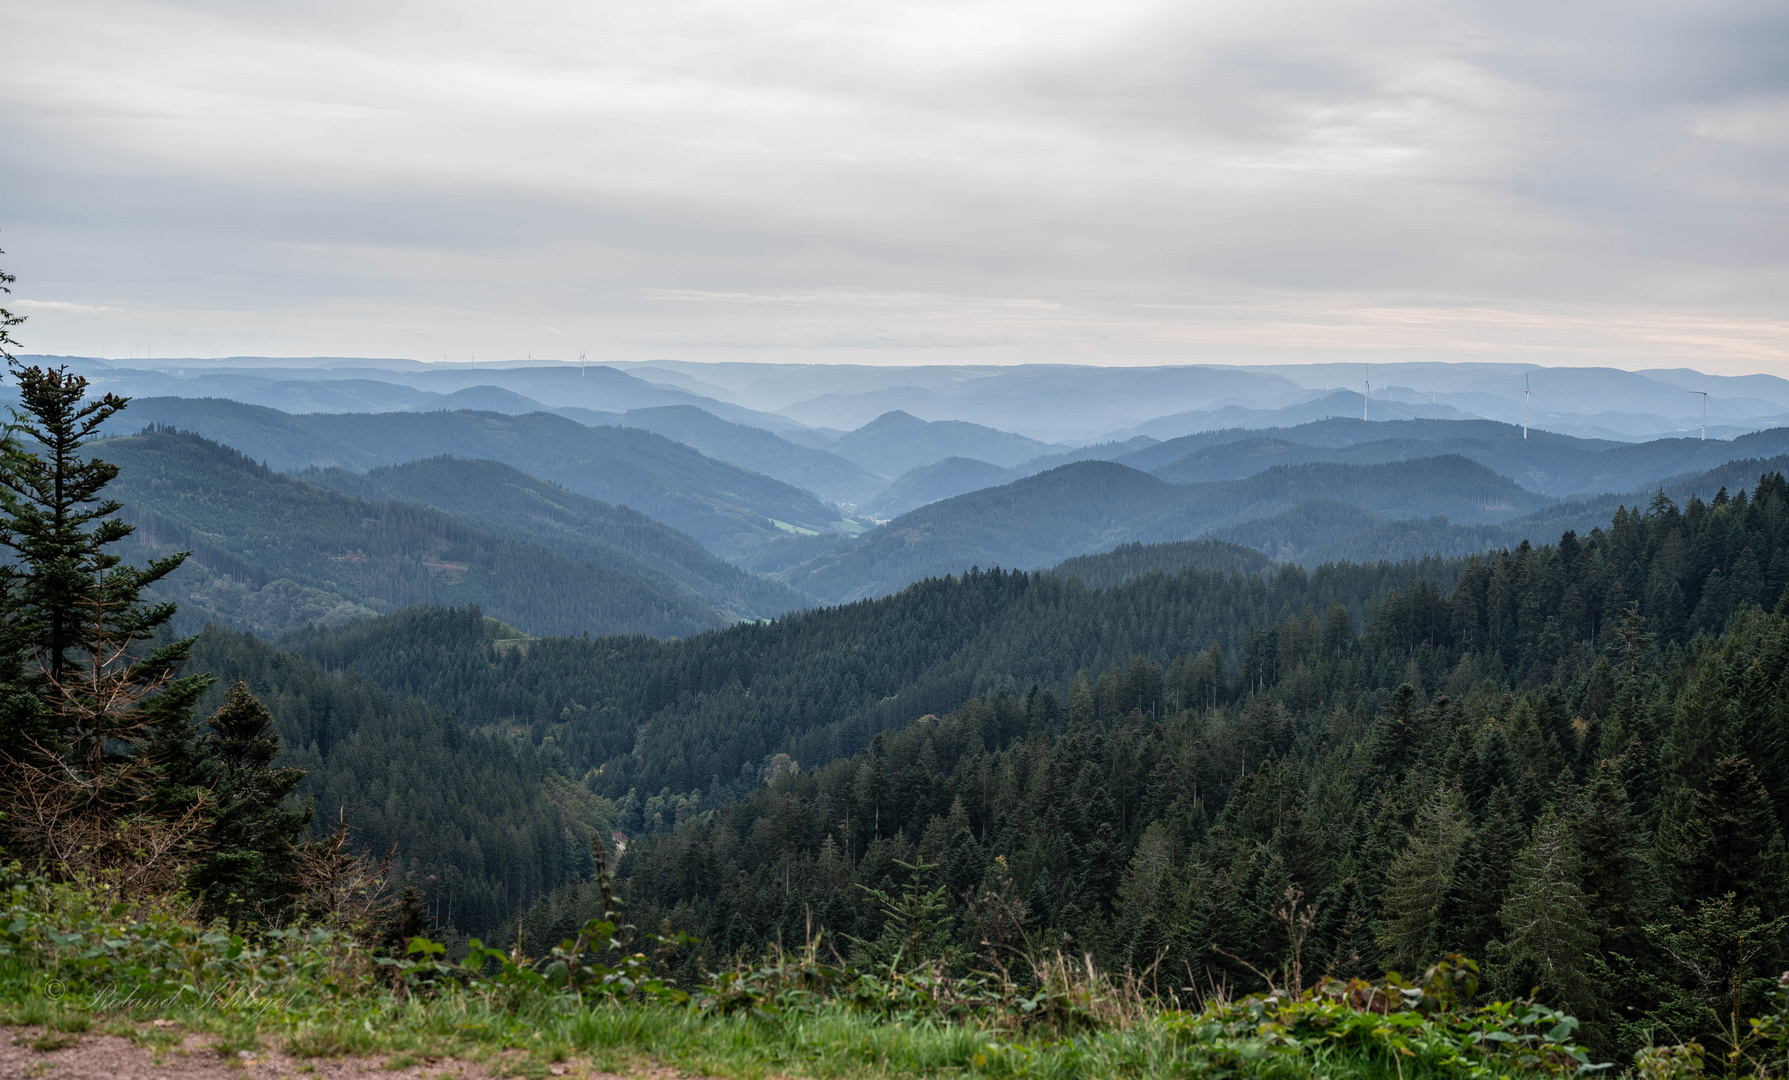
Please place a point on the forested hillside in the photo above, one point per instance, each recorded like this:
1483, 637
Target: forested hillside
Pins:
483, 822
958, 475
825, 474
938, 480
1091, 505
1313, 523
1542, 461
689, 719
1131, 560
896, 442
1569, 764
271, 553
1321, 531
725, 507
509, 502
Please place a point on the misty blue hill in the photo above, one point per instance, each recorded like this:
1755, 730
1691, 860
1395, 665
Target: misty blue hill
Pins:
816, 438
271, 553
320, 390
1589, 401
958, 475
482, 399
1091, 506
1034, 522
1245, 457
1127, 561
897, 442
1547, 462
853, 410
1340, 432
728, 509
586, 386
938, 480
1234, 460
825, 474
1090, 402
1322, 530
346, 385
508, 502
1449, 484
1418, 537
1048, 402
1322, 406
1101, 451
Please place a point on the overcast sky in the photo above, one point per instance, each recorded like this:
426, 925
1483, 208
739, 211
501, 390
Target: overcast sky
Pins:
1574, 181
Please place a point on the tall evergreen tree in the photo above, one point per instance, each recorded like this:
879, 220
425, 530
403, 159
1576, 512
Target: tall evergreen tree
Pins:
105, 770
77, 636
1418, 880
1547, 938
250, 867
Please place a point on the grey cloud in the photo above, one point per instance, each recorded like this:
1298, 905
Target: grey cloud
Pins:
339, 178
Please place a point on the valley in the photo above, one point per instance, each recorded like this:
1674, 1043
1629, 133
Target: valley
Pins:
766, 670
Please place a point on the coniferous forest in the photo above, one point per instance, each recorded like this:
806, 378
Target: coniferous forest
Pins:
1570, 764
1563, 760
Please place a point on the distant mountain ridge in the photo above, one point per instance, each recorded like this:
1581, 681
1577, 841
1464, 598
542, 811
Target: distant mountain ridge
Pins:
347, 385
272, 553
1324, 530
509, 502
826, 474
896, 442
1547, 462
938, 480
1090, 506
729, 509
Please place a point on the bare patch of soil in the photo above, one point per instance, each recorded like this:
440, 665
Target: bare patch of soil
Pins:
27, 1053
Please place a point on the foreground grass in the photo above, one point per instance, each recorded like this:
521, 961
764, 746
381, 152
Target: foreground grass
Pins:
75, 958
830, 1040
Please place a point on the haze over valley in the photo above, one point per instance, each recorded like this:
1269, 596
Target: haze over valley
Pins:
738, 470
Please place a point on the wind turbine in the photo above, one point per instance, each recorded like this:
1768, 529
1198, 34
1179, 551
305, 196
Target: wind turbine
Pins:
1704, 394
1366, 395
1526, 394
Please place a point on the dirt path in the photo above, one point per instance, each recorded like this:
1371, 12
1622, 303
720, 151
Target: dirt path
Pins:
28, 1052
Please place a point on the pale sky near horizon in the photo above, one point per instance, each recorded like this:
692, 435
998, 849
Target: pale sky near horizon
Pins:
1579, 182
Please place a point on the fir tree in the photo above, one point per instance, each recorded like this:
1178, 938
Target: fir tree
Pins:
81, 794
251, 866
1418, 879
1547, 937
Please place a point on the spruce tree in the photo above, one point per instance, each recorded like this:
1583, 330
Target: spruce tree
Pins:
1547, 936
106, 769
79, 637
1418, 880
250, 868
1723, 840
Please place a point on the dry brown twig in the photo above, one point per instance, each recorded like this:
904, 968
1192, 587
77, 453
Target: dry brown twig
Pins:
340, 888
90, 825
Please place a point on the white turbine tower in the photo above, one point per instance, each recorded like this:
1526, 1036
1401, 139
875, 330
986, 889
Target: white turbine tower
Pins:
1704, 394
1366, 394
1526, 394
